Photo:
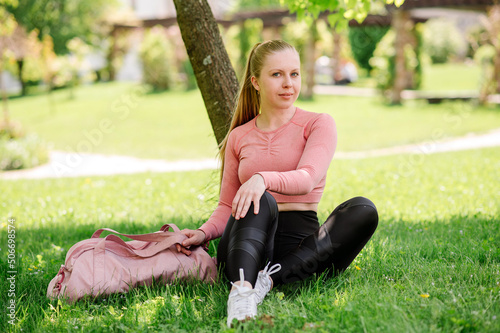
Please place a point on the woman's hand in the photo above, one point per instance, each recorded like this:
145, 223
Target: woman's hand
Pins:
195, 237
251, 191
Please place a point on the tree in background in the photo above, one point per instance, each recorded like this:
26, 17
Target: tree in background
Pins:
7, 28
364, 40
488, 55
64, 20
16, 150
384, 63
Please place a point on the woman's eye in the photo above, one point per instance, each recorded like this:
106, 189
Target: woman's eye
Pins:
276, 74
295, 74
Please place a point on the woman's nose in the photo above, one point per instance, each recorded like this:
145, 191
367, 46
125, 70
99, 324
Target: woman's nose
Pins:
287, 82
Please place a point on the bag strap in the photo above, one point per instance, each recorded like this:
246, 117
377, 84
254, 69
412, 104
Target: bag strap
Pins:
117, 245
151, 237
153, 243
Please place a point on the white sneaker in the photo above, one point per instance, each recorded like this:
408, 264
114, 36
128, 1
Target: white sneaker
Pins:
264, 282
241, 303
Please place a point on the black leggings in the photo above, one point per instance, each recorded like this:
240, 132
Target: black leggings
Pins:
295, 240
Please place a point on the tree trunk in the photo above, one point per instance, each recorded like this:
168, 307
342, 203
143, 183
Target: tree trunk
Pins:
336, 55
112, 55
494, 18
214, 73
20, 65
399, 20
310, 58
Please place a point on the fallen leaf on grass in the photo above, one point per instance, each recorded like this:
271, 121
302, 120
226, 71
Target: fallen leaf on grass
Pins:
267, 320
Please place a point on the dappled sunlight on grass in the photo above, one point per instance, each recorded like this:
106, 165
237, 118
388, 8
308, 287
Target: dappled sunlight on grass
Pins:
437, 236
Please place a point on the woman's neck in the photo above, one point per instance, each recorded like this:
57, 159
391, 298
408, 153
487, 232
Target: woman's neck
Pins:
269, 119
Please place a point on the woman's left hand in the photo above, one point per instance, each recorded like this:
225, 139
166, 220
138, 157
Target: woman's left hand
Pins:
251, 191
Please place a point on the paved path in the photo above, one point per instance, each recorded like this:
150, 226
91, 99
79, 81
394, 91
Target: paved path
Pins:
63, 164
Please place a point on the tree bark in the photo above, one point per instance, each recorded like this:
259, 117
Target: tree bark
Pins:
495, 36
399, 19
214, 73
310, 59
336, 55
20, 65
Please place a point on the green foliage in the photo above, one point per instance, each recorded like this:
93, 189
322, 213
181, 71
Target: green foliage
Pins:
64, 19
8, 22
476, 37
249, 34
257, 4
296, 33
384, 62
364, 40
442, 40
22, 153
154, 53
341, 11
485, 57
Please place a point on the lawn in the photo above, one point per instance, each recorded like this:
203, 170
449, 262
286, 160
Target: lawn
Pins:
440, 77
432, 266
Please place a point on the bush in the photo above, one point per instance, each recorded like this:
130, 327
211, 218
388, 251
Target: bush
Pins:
154, 53
384, 66
363, 42
442, 40
22, 153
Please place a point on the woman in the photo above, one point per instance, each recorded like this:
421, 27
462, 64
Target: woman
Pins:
274, 164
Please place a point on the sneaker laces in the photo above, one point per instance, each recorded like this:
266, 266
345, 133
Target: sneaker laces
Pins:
241, 303
264, 283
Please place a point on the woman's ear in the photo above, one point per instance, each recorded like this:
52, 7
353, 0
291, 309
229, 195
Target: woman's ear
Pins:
255, 83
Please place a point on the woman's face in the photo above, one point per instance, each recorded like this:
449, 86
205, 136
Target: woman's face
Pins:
279, 81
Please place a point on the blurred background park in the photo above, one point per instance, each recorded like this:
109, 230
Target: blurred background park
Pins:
106, 121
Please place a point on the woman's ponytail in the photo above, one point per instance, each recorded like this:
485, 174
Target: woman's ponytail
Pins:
247, 105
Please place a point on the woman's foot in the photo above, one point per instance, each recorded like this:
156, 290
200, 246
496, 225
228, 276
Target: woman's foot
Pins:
264, 282
242, 303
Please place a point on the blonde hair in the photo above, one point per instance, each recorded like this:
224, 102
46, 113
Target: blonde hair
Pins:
248, 100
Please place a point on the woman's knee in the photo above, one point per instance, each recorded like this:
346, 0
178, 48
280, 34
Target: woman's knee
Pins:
364, 210
267, 200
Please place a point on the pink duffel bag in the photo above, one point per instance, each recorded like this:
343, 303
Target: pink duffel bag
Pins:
101, 266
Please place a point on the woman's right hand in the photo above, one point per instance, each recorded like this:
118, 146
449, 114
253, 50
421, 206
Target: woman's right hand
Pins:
195, 237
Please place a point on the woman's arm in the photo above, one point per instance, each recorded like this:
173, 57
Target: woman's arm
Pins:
230, 184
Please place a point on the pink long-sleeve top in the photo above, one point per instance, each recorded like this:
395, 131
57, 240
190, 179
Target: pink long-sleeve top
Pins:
293, 160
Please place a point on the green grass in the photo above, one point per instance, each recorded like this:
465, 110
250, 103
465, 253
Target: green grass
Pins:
439, 77
437, 236
451, 76
118, 118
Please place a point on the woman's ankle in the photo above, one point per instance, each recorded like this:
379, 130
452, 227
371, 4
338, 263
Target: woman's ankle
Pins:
245, 284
